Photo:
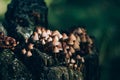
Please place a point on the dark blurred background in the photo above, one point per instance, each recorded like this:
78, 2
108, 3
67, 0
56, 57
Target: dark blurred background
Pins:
101, 18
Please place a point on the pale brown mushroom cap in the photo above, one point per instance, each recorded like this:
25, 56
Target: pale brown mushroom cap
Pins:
65, 46
79, 30
75, 66
43, 42
60, 46
67, 56
89, 40
78, 57
83, 30
43, 29
14, 44
70, 54
56, 38
65, 51
67, 60
56, 32
72, 61
83, 38
56, 50
83, 60
38, 30
76, 45
72, 50
64, 36
29, 53
70, 65
55, 43
70, 42
35, 36
72, 37
44, 34
49, 39
78, 38
7, 42
24, 51
59, 36
30, 46
49, 32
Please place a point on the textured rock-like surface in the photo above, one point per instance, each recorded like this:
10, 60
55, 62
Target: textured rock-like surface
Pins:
22, 17
2, 29
33, 68
63, 73
11, 68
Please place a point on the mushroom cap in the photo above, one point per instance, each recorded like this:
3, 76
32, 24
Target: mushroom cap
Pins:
56, 38
43, 42
78, 57
70, 65
29, 53
60, 46
59, 36
83, 38
30, 46
79, 30
56, 32
44, 34
64, 45
35, 36
67, 60
55, 43
64, 36
89, 40
38, 30
43, 29
24, 51
72, 61
70, 42
55, 50
65, 51
83, 60
72, 37
78, 38
14, 44
7, 42
75, 66
72, 50
48, 32
76, 45
49, 39
83, 30
70, 54
67, 56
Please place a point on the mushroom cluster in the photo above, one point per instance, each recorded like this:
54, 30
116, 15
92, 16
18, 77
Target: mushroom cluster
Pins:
7, 42
67, 48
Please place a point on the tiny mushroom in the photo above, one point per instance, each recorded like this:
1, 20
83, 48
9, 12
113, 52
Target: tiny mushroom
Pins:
24, 51
38, 30
29, 53
30, 46
73, 61
35, 36
72, 50
55, 50
64, 36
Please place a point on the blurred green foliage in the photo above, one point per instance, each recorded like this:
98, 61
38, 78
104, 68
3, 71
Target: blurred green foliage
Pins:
101, 19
